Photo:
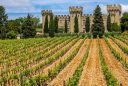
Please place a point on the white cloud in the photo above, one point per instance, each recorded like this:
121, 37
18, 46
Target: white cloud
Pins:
103, 9
124, 8
18, 5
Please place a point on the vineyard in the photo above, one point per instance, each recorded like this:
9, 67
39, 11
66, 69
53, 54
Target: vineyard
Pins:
64, 61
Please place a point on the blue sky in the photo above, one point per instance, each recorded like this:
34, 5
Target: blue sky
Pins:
20, 8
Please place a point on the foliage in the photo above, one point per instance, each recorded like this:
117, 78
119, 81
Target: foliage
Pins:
87, 25
111, 80
116, 54
14, 25
46, 25
124, 49
109, 23
124, 22
56, 24
61, 30
66, 26
3, 22
112, 34
125, 33
28, 28
51, 26
115, 27
76, 26
55, 70
11, 34
98, 25
74, 80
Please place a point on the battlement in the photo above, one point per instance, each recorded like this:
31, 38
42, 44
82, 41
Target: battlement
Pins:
114, 7
46, 12
88, 15
63, 16
76, 9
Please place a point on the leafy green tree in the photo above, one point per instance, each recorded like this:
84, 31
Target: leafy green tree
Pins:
28, 28
51, 26
3, 22
36, 21
11, 34
87, 25
76, 26
13, 25
56, 24
109, 23
115, 27
98, 25
124, 22
66, 26
46, 25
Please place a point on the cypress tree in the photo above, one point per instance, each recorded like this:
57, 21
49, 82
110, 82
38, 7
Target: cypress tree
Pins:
76, 26
98, 25
56, 24
46, 25
109, 23
66, 27
124, 22
28, 28
51, 26
87, 25
3, 22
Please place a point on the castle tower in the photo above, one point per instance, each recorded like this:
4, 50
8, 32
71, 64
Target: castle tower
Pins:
44, 14
76, 11
115, 13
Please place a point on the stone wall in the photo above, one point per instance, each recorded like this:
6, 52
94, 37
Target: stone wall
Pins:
113, 10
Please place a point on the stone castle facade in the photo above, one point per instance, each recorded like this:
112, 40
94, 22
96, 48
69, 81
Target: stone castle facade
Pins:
113, 10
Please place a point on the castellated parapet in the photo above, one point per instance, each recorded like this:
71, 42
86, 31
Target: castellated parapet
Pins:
46, 12
75, 9
113, 10
115, 13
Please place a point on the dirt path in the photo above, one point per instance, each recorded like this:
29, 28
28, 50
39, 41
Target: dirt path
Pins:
92, 73
114, 65
71, 67
115, 46
45, 70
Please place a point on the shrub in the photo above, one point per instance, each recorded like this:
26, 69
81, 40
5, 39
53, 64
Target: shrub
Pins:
11, 35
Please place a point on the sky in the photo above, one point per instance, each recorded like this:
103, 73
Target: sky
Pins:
20, 8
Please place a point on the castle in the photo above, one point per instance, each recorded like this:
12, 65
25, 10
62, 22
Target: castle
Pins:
113, 10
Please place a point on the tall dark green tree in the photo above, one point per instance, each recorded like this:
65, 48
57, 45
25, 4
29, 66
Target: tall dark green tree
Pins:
66, 26
76, 26
51, 26
3, 22
98, 25
109, 23
87, 25
46, 25
124, 22
56, 24
28, 27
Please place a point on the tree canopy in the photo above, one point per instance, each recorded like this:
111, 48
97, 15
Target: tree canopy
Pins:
3, 22
76, 26
87, 25
28, 27
98, 25
124, 22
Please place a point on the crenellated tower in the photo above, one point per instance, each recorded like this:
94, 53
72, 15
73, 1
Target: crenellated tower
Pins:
115, 13
76, 11
44, 14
